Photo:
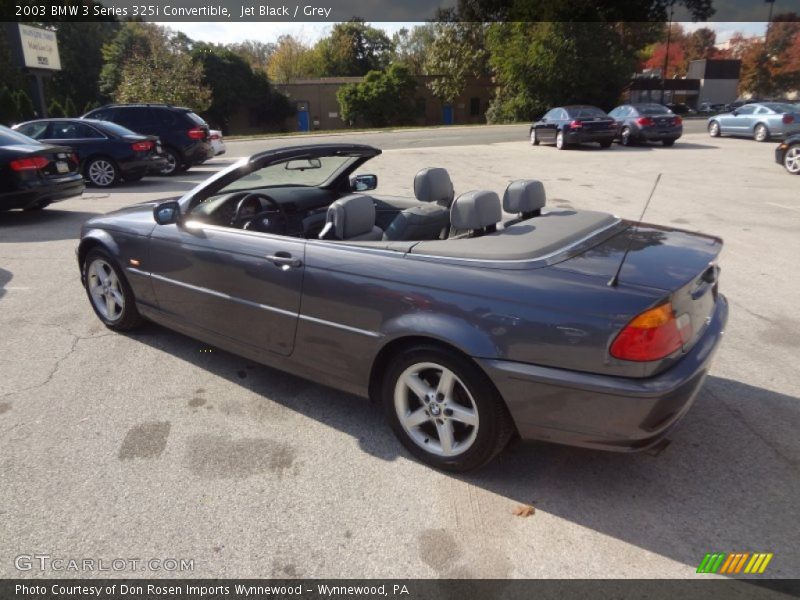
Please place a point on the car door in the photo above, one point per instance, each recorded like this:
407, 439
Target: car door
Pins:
78, 136
235, 283
743, 121
546, 127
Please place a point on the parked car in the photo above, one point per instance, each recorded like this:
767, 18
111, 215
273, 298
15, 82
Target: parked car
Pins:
567, 125
731, 106
183, 134
217, 142
708, 107
520, 327
788, 153
680, 109
761, 121
107, 152
647, 123
33, 175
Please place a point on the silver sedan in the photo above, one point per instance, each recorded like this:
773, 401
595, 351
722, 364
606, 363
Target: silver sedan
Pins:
761, 121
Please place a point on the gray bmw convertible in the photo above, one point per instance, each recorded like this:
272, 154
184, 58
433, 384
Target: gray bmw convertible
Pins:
472, 319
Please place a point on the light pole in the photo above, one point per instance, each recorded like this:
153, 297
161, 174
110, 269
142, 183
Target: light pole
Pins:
666, 54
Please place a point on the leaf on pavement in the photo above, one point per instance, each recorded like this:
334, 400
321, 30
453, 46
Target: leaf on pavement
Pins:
523, 510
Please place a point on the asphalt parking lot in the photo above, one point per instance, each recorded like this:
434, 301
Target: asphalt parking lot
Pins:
154, 446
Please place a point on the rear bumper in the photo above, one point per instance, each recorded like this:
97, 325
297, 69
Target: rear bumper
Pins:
597, 411
140, 166
44, 193
661, 134
586, 137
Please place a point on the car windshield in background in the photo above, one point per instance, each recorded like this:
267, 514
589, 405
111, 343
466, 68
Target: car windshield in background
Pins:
116, 129
653, 109
585, 112
303, 172
780, 107
9, 137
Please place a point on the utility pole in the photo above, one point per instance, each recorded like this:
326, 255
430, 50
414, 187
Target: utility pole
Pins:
666, 54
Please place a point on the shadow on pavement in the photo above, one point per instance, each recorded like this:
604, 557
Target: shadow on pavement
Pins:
728, 482
45, 225
5, 277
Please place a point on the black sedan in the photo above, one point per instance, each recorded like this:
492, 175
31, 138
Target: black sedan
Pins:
567, 326
32, 175
647, 123
107, 152
568, 125
788, 153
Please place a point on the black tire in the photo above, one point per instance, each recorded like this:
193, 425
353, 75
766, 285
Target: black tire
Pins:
174, 163
561, 142
483, 441
714, 129
128, 317
36, 207
761, 133
626, 137
101, 172
668, 143
606, 144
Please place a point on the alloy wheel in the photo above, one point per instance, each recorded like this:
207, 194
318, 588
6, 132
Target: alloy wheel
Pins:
713, 129
436, 409
761, 133
102, 173
105, 290
791, 160
172, 163
625, 136
560, 141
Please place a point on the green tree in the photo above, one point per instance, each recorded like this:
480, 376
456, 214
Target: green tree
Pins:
256, 53
292, 60
700, 44
234, 85
383, 98
25, 110
133, 39
55, 110
8, 107
457, 52
411, 46
353, 48
69, 108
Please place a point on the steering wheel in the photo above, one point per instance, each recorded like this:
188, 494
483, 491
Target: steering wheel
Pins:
250, 214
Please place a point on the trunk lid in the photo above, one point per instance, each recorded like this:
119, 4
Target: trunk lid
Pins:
680, 263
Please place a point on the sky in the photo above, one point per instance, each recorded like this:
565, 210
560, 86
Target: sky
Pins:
227, 33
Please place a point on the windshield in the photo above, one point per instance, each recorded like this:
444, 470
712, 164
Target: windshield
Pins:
653, 109
13, 138
304, 172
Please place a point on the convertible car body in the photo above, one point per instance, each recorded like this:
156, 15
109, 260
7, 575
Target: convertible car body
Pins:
470, 320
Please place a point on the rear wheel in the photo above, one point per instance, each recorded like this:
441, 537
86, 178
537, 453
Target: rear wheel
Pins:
173, 162
109, 293
625, 137
444, 410
561, 144
791, 160
534, 139
101, 172
713, 129
668, 142
761, 133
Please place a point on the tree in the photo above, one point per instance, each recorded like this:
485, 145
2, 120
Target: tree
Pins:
55, 110
457, 52
353, 48
256, 53
700, 44
292, 60
25, 110
133, 39
383, 98
8, 107
234, 85
411, 47
69, 108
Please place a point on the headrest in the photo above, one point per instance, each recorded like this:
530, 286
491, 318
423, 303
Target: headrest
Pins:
434, 185
524, 196
476, 210
351, 216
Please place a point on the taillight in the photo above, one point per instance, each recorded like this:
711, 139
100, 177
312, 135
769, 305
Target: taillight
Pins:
142, 146
788, 119
677, 121
29, 164
576, 124
645, 121
197, 133
652, 335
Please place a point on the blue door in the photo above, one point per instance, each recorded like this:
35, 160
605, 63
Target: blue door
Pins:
447, 114
302, 120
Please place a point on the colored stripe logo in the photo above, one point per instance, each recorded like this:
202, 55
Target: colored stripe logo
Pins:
735, 562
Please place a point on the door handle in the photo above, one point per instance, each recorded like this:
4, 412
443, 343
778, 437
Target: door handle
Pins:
284, 260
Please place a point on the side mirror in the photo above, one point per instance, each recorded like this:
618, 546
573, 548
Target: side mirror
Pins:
735, 113
167, 213
363, 183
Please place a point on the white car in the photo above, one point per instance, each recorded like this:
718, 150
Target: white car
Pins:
217, 143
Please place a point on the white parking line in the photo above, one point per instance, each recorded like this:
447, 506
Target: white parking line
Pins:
794, 208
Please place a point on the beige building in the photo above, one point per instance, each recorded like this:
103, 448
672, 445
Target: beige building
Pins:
318, 109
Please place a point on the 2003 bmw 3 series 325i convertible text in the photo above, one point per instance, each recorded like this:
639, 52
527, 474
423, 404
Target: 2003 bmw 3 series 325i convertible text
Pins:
467, 327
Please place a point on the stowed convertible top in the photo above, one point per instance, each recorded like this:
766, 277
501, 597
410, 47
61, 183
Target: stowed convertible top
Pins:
531, 239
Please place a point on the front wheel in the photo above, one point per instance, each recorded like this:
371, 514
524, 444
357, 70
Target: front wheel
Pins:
444, 410
109, 293
713, 129
534, 139
791, 160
